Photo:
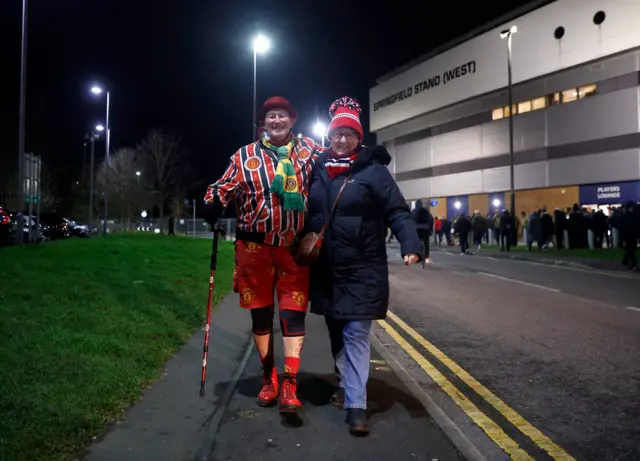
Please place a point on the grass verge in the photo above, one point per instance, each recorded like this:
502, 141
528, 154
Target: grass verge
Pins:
85, 325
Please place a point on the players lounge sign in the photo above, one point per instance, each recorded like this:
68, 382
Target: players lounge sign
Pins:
608, 192
434, 81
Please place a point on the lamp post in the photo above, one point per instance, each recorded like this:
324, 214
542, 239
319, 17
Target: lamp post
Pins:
260, 45
94, 136
508, 33
320, 129
22, 112
97, 90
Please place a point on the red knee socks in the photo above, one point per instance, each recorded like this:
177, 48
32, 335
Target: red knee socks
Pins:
291, 365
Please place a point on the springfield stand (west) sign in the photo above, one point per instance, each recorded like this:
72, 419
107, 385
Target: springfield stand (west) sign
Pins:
426, 85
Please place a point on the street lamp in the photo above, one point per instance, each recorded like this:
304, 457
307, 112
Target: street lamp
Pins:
138, 175
260, 45
320, 129
508, 33
99, 128
97, 91
22, 115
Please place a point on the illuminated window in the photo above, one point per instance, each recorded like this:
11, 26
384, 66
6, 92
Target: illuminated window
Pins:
539, 103
555, 98
587, 90
569, 95
507, 112
524, 107
497, 113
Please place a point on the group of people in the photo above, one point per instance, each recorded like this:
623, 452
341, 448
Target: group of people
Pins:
475, 229
285, 187
561, 229
546, 229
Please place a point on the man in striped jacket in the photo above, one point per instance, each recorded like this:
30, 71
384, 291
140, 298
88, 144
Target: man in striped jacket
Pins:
268, 180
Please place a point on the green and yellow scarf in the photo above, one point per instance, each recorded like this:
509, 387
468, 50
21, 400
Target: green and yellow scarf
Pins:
285, 183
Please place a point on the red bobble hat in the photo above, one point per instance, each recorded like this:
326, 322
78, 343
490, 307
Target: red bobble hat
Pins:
345, 113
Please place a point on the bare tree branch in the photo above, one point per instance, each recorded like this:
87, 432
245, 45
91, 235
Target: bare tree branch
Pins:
162, 157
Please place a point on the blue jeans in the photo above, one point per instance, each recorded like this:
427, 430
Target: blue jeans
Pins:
351, 351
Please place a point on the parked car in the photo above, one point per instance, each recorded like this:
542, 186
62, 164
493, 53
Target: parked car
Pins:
54, 226
5, 228
77, 230
36, 230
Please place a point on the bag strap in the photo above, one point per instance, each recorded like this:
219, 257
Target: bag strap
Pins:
333, 208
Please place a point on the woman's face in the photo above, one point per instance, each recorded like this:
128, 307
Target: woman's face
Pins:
344, 140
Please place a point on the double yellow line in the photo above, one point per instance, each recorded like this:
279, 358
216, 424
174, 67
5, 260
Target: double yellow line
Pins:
493, 430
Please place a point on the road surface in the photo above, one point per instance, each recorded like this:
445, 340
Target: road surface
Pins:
531, 361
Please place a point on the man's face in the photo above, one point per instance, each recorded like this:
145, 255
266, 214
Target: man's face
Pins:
344, 140
277, 124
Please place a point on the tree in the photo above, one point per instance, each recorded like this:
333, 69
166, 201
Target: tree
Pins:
49, 196
161, 157
126, 190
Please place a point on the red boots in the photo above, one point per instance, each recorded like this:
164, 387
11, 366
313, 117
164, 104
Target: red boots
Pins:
268, 395
269, 392
289, 402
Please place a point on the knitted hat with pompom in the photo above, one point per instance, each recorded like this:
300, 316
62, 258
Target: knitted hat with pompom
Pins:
345, 113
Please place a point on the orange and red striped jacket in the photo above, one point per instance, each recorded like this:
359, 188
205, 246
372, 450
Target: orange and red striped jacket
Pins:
260, 217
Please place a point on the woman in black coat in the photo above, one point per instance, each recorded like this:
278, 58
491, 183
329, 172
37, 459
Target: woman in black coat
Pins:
349, 280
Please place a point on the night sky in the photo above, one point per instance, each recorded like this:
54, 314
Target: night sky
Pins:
186, 66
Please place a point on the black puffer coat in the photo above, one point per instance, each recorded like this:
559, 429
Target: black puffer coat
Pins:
350, 278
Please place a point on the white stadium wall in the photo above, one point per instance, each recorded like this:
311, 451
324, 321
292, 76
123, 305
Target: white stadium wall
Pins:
478, 66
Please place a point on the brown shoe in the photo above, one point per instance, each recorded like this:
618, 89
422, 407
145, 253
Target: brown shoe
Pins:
337, 399
289, 402
269, 393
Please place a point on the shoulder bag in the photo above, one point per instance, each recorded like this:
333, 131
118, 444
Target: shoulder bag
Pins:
308, 249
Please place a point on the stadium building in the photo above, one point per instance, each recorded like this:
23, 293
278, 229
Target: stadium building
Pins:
576, 112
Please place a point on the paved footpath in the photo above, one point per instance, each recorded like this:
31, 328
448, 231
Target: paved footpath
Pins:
172, 423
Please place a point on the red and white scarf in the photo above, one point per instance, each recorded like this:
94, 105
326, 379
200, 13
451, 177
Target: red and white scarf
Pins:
337, 165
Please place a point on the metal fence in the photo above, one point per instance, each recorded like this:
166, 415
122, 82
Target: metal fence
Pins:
196, 228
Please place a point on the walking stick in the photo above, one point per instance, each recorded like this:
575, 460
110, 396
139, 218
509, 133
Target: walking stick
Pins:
214, 262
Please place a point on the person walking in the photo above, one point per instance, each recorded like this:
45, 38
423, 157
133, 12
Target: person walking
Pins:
350, 278
507, 230
630, 235
424, 224
268, 182
479, 227
437, 225
463, 228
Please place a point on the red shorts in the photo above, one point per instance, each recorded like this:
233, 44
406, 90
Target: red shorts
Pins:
262, 268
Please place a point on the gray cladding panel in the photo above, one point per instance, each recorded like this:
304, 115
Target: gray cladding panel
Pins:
412, 155
620, 165
595, 117
457, 146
